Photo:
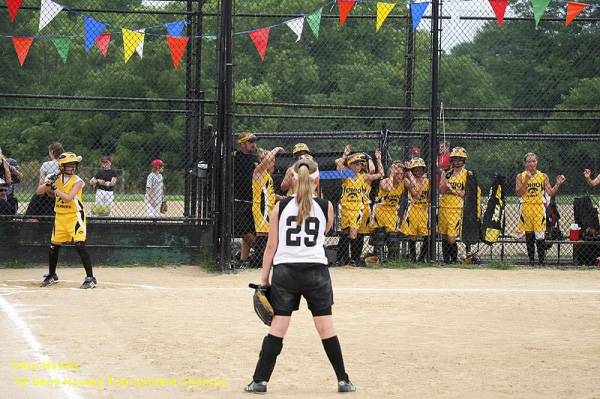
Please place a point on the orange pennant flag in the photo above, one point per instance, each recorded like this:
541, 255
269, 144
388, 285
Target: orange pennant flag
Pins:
13, 8
102, 42
344, 7
573, 10
22, 45
177, 46
260, 39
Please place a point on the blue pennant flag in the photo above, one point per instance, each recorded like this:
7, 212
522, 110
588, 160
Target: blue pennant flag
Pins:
417, 10
93, 29
335, 174
175, 28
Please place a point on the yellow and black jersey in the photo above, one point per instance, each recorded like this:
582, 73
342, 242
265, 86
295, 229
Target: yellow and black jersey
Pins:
263, 197
391, 199
458, 182
422, 201
535, 186
353, 193
73, 206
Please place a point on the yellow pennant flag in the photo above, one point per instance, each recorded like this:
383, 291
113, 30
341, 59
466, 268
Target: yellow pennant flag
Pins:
130, 42
383, 9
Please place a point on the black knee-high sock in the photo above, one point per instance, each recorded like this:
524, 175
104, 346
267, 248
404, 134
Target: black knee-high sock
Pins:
53, 258
446, 251
356, 249
343, 249
454, 252
530, 242
259, 250
424, 249
271, 348
412, 250
541, 250
85, 258
334, 353
361, 244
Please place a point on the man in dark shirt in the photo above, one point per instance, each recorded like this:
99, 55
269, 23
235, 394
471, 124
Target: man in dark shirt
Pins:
104, 182
244, 162
8, 206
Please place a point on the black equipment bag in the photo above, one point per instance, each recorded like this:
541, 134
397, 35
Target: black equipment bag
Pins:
491, 227
471, 214
586, 217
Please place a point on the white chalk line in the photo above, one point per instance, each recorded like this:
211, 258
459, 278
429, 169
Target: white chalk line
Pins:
35, 346
339, 289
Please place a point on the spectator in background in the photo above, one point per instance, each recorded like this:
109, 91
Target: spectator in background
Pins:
443, 160
15, 176
4, 169
244, 163
7, 206
104, 182
592, 183
43, 205
416, 153
155, 189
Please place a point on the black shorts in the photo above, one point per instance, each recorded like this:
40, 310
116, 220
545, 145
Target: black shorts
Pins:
293, 281
243, 220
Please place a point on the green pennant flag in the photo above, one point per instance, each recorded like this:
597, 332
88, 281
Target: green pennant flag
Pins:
539, 6
210, 38
62, 46
314, 21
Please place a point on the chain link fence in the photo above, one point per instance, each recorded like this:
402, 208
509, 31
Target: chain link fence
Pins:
116, 79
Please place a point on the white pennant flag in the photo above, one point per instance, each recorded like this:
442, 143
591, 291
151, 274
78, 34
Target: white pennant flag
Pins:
140, 48
48, 10
296, 25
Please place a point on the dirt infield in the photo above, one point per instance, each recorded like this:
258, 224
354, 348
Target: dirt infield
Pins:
405, 333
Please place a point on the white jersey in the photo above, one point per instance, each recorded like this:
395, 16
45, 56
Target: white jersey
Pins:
304, 243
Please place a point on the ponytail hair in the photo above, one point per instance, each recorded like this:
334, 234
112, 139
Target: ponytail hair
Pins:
304, 172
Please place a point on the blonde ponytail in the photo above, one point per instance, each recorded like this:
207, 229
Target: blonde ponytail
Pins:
304, 190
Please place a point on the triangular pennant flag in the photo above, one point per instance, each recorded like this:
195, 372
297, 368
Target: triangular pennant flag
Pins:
140, 47
130, 42
177, 46
383, 9
417, 10
93, 29
48, 10
22, 45
175, 28
260, 39
13, 9
314, 21
499, 7
62, 46
539, 6
102, 42
296, 25
573, 10
344, 7
210, 38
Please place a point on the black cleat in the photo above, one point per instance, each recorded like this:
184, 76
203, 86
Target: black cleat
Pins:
90, 282
49, 280
256, 387
346, 386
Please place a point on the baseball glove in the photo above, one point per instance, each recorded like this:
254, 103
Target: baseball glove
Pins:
164, 207
262, 304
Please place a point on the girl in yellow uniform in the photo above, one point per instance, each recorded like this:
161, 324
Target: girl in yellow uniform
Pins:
452, 190
263, 200
353, 202
385, 210
70, 221
530, 186
416, 218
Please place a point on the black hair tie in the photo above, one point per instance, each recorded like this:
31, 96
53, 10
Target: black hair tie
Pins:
303, 164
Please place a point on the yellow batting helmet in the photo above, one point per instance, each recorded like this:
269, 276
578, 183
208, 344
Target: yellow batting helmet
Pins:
458, 152
299, 148
417, 163
67, 157
358, 157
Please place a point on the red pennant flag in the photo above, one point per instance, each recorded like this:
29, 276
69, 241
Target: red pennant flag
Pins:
13, 8
499, 7
260, 39
573, 10
344, 7
102, 42
177, 46
22, 45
